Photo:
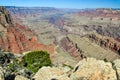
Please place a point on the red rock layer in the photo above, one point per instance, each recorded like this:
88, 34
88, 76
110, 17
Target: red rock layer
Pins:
17, 39
103, 13
106, 42
71, 48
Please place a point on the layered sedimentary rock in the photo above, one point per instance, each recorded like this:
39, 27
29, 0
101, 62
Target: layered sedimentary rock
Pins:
101, 13
71, 48
106, 42
16, 38
5, 17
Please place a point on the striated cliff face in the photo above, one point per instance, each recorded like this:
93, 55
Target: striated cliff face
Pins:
111, 14
5, 17
106, 42
71, 48
16, 38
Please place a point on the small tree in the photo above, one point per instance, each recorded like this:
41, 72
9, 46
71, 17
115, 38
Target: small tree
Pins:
36, 59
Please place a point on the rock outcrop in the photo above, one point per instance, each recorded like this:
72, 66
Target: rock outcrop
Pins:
86, 69
92, 69
16, 38
71, 48
48, 73
5, 17
104, 41
19, 77
101, 13
116, 66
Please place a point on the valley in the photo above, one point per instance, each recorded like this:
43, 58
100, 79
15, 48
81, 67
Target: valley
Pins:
66, 28
47, 43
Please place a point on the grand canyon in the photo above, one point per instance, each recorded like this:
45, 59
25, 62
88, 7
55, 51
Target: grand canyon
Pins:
83, 44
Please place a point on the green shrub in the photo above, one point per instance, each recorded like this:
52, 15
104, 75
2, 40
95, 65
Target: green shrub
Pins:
36, 59
12, 67
105, 60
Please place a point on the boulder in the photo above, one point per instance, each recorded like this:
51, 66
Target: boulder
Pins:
48, 73
92, 69
116, 66
19, 77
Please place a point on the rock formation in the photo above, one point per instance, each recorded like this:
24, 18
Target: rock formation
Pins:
19, 77
71, 48
106, 42
92, 69
101, 13
16, 38
86, 69
48, 73
5, 17
116, 66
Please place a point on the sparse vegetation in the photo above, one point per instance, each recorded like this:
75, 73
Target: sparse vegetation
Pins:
105, 60
5, 58
36, 59
23, 65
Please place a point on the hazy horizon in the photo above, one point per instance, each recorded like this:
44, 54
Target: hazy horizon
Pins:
70, 4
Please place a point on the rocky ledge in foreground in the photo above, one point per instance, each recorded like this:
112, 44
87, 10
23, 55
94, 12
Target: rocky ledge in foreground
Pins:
92, 69
86, 69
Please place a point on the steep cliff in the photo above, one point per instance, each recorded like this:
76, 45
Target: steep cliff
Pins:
71, 48
16, 38
101, 13
105, 41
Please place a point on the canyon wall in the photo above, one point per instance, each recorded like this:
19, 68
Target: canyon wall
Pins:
16, 38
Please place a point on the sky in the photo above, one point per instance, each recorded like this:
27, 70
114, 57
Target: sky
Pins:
77, 4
